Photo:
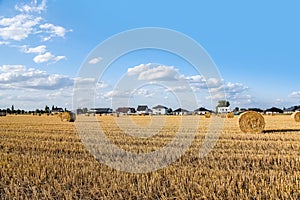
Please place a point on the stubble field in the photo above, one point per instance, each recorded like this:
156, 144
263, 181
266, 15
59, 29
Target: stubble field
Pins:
44, 158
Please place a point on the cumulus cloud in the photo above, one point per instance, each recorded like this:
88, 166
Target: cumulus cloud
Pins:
153, 73
18, 27
53, 30
46, 57
18, 76
95, 60
28, 22
295, 94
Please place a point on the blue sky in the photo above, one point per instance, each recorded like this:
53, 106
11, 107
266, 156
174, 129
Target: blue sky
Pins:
43, 43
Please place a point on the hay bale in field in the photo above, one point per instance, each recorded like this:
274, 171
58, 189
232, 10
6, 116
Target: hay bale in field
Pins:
207, 114
230, 115
67, 116
296, 116
251, 122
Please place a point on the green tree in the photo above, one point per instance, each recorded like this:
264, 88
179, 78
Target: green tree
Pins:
47, 109
84, 110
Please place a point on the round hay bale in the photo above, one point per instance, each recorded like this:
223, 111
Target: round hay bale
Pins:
230, 115
251, 122
207, 115
67, 116
296, 116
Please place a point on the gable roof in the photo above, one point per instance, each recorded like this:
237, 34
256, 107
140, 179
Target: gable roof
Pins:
202, 109
274, 109
142, 108
180, 110
159, 106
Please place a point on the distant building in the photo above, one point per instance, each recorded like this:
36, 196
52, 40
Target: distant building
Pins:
291, 109
159, 110
180, 111
273, 110
57, 110
142, 109
222, 110
125, 110
100, 111
202, 111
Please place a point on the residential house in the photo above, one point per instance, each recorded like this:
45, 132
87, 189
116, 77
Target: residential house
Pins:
273, 110
202, 111
100, 111
159, 110
142, 110
180, 111
223, 110
291, 109
125, 110
57, 110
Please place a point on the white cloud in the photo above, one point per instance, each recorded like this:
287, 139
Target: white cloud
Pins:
18, 27
46, 57
28, 22
295, 94
4, 43
39, 49
95, 60
33, 7
138, 69
18, 76
116, 94
161, 72
54, 31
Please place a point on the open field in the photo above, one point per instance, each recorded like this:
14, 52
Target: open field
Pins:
43, 158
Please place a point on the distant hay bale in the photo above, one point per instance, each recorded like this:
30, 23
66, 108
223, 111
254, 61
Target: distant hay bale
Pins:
207, 115
67, 116
251, 122
296, 116
230, 115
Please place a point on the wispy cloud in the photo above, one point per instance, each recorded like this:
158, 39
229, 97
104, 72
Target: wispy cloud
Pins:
95, 60
32, 7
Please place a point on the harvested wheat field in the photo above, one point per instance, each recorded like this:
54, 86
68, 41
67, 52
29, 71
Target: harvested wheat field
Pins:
44, 158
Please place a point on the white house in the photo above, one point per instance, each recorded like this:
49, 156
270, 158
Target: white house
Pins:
180, 111
142, 109
159, 110
223, 110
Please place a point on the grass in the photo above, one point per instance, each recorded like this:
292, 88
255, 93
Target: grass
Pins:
43, 158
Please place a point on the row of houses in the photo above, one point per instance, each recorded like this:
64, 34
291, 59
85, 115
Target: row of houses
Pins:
163, 110
145, 110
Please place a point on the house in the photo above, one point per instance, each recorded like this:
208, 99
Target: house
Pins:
159, 110
222, 110
256, 110
180, 111
142, 110
100, 111
291, 109
202, 111
125, 110
57, 110
273, 110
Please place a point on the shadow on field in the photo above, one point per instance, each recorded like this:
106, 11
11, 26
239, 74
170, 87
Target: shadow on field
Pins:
281, 130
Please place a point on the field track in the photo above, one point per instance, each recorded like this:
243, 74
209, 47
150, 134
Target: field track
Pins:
44, 158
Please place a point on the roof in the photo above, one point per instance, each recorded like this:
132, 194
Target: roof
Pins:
125, 109
202, 109
100, 110
142, 108
292, 109
159, 106
274, 110
180, 110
